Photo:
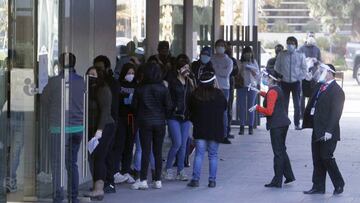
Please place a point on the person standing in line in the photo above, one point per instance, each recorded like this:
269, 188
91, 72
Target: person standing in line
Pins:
130, 57
179, 123
313, 56
105, 134
203, 64
323, 114
164, 59
223, 67
126, 129
246, 98
234, 72
292, 66
152, 106
278, 125
51, 97
271, 62
207, 106
102, 63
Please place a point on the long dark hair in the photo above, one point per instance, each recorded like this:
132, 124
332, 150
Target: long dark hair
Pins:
247, 49
125, 70
101, 79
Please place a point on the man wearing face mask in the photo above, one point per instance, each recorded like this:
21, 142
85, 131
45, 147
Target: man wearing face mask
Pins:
312, 54
223, 66
292, 66
323, 114
203, 64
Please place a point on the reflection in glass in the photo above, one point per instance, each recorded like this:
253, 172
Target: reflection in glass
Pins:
171, 24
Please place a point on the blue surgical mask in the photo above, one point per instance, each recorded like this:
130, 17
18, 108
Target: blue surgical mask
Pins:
205, 59
220, 50
291, 48
265, 81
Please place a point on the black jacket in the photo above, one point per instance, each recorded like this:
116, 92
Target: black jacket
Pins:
125, 94
152, 104
328, 111
207, 116
198, 68
234, 72
279, 117
180, 95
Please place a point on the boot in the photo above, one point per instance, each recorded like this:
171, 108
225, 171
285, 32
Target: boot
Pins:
251, 130
98, 193
242, 128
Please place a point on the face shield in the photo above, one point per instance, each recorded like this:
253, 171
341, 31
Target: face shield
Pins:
321, 73
266, 78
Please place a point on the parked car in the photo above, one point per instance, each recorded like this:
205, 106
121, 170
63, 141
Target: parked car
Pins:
352, 58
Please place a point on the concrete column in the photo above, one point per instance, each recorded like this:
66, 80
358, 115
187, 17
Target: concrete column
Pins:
216, 21
188, 27
152, 27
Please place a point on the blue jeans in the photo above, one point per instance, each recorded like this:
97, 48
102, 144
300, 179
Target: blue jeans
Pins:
295, 90
137, 156
17, 142
212, 148
227, 95
244, 101
179, 134
72, 146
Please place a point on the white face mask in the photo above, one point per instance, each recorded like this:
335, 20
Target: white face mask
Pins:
129, 77
220, 50
311, 41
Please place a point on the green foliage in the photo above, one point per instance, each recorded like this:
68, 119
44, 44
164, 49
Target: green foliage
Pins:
323, 43
312, 26
281, 26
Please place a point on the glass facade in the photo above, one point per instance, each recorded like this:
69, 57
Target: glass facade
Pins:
171, 24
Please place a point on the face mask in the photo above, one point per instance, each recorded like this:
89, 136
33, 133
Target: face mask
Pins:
184, 71
92, 80
322, 78
205, 59
291, 48
220, 50
265, 81
247, 57
129, 77
311, 41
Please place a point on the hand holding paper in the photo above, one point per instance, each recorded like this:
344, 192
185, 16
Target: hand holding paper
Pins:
92, 144
98, 134
253, 89
327, 136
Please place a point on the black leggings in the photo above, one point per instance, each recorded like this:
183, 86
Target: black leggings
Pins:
151, 134
124, 144
103, 164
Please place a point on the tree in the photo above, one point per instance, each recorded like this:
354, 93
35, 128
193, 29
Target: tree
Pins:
336, 12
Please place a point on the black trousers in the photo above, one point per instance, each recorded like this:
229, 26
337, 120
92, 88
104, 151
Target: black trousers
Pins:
124, 145
282, 166
102, 156
230, 110
151, 134
324, 161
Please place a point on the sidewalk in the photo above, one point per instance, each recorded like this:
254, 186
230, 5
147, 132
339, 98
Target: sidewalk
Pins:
246, 165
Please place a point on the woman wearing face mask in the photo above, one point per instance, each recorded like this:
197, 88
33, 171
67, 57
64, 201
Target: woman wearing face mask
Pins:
278, 124
179, 123
246, 98
203, 64
126, 129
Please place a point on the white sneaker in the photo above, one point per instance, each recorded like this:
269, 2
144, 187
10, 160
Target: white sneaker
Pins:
157, 184
141, 185
182, 176
130, 179
118, 178
169, 174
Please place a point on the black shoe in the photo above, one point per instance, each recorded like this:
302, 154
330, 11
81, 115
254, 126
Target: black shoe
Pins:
109, 188
212, 184
226, 141
231, 136
241, 132
273, 185
251, 130
298, 127
193, 183
289, 181
314, 191
338, 190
